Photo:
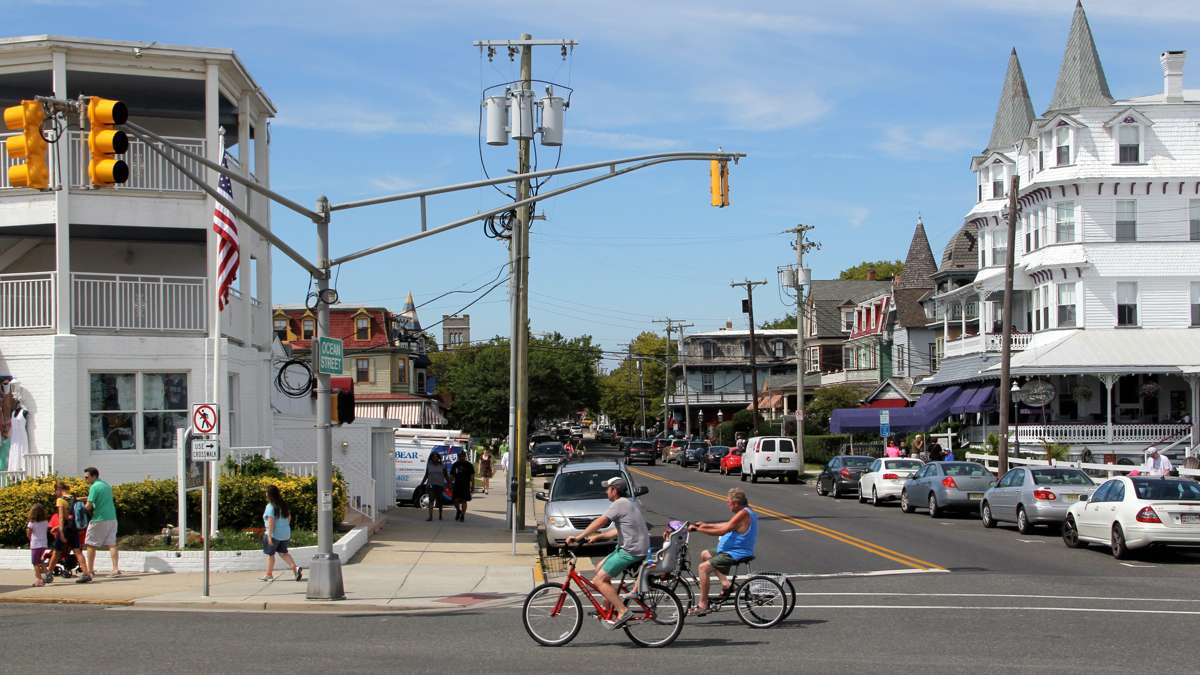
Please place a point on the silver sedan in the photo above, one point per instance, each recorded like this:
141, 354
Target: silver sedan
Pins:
942, 486
1034, 495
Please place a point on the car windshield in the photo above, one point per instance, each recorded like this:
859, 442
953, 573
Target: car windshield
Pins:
718, 450
1163, 489
644, 445
576, 485
697, 445
857, 462
1061, 477
903, 465
964, 469
549, 449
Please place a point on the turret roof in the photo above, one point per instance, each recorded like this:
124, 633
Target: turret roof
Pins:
1014, 113
1081, 80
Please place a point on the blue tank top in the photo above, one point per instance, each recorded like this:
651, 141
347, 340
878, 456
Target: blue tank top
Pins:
740, 545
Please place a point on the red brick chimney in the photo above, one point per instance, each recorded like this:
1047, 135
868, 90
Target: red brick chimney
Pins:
872, 275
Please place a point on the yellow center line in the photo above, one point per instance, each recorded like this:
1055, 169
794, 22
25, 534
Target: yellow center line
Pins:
836, 535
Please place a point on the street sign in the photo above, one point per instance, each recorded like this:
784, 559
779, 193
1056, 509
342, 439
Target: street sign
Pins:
206, 450
205, 419
885, 423
329, 356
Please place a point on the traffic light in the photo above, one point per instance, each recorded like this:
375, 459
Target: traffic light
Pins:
29, 144
105, 141
718, 174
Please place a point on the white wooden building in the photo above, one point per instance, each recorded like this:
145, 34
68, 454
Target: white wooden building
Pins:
106, 296
1107, 281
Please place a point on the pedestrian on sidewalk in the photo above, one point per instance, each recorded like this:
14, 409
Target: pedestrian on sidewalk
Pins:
435, 482
892, 449
277, 519
485, 468
37, 530
69, 515
462, 473
102, 526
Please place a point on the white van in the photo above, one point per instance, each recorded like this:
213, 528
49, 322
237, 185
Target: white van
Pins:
771, 457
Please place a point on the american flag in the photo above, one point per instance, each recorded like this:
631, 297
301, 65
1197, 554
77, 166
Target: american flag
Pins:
227, 249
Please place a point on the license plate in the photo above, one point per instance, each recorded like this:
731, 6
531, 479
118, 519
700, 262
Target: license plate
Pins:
1189, 518
974, 495
1071, 498
784, 460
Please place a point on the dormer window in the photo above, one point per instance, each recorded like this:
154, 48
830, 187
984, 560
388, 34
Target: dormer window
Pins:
362, 328
777, 349
307, 328
706, 348
1129, 142
847, 320
997, 180
1043, 148
1062, 144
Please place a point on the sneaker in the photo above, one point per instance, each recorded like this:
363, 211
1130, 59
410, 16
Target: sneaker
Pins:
267, 577
48, 578
621, 620
85, 579
299, 573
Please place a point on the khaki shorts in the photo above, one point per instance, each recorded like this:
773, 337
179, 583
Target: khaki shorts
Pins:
101, 533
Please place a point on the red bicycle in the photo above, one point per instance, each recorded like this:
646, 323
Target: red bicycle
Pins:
553, 614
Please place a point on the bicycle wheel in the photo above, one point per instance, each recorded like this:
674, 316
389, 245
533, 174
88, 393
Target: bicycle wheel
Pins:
683, 590
789, 591
760, 602
552, 614
657, 617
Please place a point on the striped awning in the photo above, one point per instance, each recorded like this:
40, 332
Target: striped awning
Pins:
403, 413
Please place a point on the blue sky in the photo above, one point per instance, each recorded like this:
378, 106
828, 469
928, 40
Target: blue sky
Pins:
857, 116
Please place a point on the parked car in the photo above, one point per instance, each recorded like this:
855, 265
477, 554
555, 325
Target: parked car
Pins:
562, 435
885, 478
576, 497
606, 435
1131, 513
841, 473
1030, 496
771, 456
672, 450
711, 459
692, 453
943, 486
541, 437
546, 457
642, 451
731, 463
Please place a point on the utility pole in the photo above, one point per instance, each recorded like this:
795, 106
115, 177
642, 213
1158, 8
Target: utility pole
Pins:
1014, 185
687, 405
749, 310
642, 397
667, 373
800, 280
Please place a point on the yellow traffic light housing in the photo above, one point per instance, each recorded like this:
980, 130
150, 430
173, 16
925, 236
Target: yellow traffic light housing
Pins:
105, 142
718, 174
29, 144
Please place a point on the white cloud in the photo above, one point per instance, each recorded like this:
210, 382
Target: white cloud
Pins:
903, 141
394, 183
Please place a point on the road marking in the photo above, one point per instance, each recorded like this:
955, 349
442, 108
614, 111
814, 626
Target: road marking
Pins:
1098, 610
836, 535
1026, 596
1133, 565
875, 573
1032, 541
795, 529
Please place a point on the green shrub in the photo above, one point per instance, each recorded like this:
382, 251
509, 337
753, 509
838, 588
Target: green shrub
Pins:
725, 433
254, 465
819, 449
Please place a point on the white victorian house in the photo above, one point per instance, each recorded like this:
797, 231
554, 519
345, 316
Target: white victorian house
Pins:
107, 317
1106, 305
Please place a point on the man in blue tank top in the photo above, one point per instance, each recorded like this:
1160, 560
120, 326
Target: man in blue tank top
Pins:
738, 535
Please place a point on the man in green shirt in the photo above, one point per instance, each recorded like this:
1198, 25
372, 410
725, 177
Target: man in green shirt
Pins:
102, 528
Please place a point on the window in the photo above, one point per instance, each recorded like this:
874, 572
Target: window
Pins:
307, 328
1066, 305
1043, 219
747, 383
1127, 303
706, 348
280, 326
1195, 303
1062, 145
848, 319
1194, 220
115, 413
982, 178
421, 383
1064, 222
999, 247
1035, 303
1046, 302
814, 359
402, 371
706, 383
253, 277
1126, 220
1043, 147
1129, 144
847, 358
900, 351
362, 328
1028, 226
997, 181
362, 370
746, 348
935, 351
777, 349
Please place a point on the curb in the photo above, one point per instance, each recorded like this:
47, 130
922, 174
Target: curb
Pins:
67, 601
325, 607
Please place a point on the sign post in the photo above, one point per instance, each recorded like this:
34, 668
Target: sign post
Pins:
330, 356
885, 423
205, 450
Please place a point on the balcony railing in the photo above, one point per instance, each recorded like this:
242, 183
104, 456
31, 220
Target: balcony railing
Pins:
147, 170
712, 398
974, 344
126, 302
1098, 433
853, 375
27, 301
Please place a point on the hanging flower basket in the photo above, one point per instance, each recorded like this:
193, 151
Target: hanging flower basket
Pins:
1081, 393
1150, 390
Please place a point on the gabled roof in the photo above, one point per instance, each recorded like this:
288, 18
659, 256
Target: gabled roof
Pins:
1081, 80
909, 312
829, 295
1131, 113
919, 266
1015, 110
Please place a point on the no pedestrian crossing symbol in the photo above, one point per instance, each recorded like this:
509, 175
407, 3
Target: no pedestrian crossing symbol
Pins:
205, 419
885, 423
329, 356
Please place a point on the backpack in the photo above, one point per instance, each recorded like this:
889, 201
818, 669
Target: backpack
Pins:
80, 514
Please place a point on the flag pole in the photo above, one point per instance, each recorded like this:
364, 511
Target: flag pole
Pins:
215, 467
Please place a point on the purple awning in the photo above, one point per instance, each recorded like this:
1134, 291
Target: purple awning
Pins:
930, 409
977, 399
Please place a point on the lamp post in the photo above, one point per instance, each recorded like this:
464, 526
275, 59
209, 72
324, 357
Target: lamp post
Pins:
1015, 395
700, 415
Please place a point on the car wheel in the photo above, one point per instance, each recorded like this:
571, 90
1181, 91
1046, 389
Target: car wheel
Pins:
905, 506
1070, 534
820, 488
753, 476
1120, 550
862, 499
934, 511
1023, 524
651, 462
835, 490
793, 478
985, 515
875, 497
421, 500
742, 477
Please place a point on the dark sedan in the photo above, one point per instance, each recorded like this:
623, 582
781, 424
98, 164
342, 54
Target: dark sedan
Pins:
711, 459
545, 458
692, 453
641, 451
840, 475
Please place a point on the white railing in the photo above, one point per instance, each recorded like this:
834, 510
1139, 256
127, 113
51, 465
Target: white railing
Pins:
360, 489
702, 398
991, 462
36, 465
1098, 433
307, 469
27, 300
8, 478
852, 375
973, 344
139, 302
147, 170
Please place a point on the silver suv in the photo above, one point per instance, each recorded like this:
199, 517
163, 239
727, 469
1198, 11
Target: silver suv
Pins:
576, 497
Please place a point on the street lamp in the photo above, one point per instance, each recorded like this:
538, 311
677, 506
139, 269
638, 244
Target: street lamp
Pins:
700, 415
1015, 395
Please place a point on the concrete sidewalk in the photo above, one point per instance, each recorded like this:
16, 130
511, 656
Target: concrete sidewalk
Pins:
409, 564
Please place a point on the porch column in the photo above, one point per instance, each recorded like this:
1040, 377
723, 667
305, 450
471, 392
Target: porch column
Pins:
245, 111
1109, 381
983, 318
962, 318
1194, 384
945, 323
62, 201
262, 171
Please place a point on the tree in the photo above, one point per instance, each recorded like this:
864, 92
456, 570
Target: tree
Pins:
884, 269
787, 321
825, 401
620, 389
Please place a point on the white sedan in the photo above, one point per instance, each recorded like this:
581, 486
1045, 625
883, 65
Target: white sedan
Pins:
1129, 513
884, 479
